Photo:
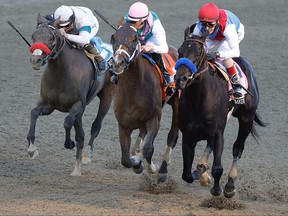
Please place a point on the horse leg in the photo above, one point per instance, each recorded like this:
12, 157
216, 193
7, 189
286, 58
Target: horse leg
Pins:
171, 143
75, 113
204, 178
217, 168
41, 109
79, 137
136, 150
125, 142
238, 147
105, 96
148, 148
188, 152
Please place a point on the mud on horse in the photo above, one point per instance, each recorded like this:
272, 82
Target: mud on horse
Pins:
67, 85
203, 112
138, 101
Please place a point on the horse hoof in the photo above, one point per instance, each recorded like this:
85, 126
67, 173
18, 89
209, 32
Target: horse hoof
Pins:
71, 145
216, 191
138, 169
162, 177
33, 153
229, 194
151, 168
188, 178
205, 179
76, 172
86, 160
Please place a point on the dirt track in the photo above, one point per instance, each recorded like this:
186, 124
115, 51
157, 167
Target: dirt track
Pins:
44, 187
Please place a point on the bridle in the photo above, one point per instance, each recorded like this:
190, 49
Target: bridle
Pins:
200, 61
56, 47
130, 57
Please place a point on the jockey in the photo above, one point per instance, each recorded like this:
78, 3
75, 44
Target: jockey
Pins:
85, 23
225, 32
152, 35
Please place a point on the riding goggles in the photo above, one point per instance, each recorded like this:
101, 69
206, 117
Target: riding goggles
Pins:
208, 24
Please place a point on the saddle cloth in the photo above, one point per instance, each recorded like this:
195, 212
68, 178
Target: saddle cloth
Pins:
169, 64
242, 77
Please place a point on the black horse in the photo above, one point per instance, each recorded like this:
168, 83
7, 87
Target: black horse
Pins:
204, 108
67, 84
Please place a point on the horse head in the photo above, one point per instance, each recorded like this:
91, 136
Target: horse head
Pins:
126, 45
192, 59
45, 40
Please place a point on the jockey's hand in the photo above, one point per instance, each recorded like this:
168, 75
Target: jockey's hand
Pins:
63, 32
212, 55
147, 48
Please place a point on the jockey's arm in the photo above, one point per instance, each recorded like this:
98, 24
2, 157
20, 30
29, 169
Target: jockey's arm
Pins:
158, 40
82, 38
232, 39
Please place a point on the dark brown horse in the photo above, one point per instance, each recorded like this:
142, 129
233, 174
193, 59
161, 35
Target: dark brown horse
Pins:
203, 112
67, 85
138, 101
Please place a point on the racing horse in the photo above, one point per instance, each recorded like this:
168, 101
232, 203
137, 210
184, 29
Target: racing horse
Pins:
68, 85
138, 101
204, 109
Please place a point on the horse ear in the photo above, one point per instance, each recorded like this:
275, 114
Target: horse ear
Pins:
55, 23
204, 36
121, 23
138, 24
186, 32
39, 19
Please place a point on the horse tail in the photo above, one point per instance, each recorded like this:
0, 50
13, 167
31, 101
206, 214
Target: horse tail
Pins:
257, 121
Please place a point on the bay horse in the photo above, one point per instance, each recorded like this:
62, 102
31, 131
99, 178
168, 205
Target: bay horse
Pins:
67, 84
203, 112
138, 101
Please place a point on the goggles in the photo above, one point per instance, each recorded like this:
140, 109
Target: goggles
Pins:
208, 24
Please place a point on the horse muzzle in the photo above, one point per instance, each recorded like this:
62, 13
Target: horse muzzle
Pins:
119, 65
37, 61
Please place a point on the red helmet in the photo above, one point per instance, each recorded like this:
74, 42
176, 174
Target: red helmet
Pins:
208, 12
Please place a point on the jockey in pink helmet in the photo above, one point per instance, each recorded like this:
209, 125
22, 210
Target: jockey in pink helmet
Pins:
225, 32
152, 35
85, 23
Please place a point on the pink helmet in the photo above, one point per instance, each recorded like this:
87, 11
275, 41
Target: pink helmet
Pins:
138, 11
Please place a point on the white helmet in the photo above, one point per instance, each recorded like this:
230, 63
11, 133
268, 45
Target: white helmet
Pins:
64, 12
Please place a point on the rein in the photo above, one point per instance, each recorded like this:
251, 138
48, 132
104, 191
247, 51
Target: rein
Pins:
55, 52
51, 53
201, 59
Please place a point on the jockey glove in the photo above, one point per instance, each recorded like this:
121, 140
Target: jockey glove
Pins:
212, 55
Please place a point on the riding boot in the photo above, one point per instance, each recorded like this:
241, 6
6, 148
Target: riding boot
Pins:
158, 59
98, 58
235, 82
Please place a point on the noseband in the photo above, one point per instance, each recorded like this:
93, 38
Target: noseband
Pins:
122, 51
56, 48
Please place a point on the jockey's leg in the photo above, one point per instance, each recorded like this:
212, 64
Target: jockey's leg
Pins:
99, 59
231, 69
158, 59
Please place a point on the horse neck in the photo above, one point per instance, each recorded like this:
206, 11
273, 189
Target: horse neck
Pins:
65, 58
135, 73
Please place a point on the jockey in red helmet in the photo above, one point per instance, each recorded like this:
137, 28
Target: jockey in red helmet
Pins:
225, 32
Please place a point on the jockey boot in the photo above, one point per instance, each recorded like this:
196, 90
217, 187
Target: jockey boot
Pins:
158, 59
98, 58
235, 82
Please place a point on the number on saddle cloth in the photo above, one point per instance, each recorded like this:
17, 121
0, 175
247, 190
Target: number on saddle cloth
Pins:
105, 50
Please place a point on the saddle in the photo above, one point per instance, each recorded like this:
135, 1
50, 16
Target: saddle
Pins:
105, 50
169, 64
218, 64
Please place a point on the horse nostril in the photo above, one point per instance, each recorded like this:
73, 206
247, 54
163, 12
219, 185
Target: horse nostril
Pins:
184, 79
